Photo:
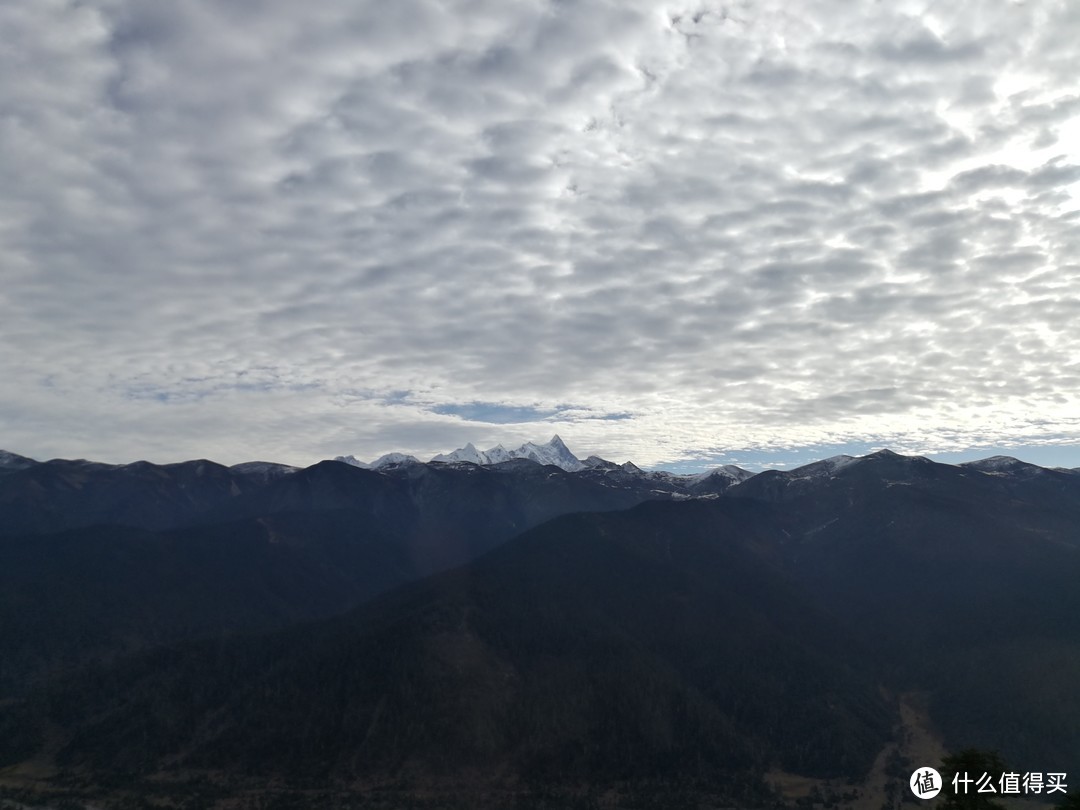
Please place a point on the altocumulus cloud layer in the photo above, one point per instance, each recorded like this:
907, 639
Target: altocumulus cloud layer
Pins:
665, 231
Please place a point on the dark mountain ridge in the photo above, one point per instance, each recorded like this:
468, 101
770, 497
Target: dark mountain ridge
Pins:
41, 497
149, 554
704, 640
957, 578
61, 494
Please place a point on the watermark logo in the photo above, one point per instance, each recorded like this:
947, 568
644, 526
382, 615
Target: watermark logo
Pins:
926, 783
1010, 782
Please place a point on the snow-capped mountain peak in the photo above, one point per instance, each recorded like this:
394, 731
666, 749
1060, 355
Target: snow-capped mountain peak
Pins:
13, 461
553, 452
728, 471
387, 460
995, 464
597, 463
264, 469
1013, 467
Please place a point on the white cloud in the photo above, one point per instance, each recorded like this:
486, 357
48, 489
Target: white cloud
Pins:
233, 231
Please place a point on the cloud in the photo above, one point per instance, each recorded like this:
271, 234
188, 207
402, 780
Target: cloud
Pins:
237, 231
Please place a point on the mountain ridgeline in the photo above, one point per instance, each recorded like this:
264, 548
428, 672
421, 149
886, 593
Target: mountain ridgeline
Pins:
487, 625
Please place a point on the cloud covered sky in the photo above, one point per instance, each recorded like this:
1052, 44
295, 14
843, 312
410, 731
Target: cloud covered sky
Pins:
672, 232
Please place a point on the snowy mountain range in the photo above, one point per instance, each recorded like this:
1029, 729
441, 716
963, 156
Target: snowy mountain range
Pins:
554, 452
13, 461
388, 460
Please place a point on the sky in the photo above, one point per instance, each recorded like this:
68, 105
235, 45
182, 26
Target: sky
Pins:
681, 233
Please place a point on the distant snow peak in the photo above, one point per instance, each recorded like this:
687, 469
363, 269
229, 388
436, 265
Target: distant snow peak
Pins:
597, 463
13, 461
1008, 466
996, 463
728, 471
471, 455
835, 463
264, 469
388, 460
554, 452
393, 460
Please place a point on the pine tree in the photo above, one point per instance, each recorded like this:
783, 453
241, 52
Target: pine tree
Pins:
963, 772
